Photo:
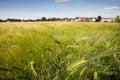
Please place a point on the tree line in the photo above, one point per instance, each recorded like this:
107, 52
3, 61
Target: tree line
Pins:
43, 19
98, 19
31, 20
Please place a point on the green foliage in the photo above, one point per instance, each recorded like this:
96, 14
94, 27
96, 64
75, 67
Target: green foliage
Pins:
59, 51
117, 19
43, 19
13, 20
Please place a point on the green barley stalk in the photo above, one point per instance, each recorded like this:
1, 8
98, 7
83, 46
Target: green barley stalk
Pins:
32, 69
75, 65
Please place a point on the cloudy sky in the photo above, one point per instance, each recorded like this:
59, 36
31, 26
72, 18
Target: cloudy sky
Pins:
34, 9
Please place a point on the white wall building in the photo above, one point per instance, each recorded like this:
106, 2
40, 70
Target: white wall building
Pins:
108, 19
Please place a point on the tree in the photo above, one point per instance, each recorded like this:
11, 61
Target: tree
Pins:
99, 18
43, 19
38, 19
1, 20
58, 19
117, 19
13, 20
53, 19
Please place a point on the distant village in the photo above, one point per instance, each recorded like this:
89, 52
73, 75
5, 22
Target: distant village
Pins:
77, 19
91, 19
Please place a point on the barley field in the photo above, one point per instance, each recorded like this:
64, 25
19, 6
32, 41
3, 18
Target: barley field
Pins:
59, 51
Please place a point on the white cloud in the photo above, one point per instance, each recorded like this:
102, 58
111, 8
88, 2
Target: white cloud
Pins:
111, 9
62, 0
115, 0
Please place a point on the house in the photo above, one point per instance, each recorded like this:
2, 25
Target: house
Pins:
84, 19
78, 19
91, 19
81, 19
72, 19
108, 19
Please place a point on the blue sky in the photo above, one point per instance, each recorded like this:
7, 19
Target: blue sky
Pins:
34, 9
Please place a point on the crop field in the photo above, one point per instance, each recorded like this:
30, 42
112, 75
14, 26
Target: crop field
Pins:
59, 51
